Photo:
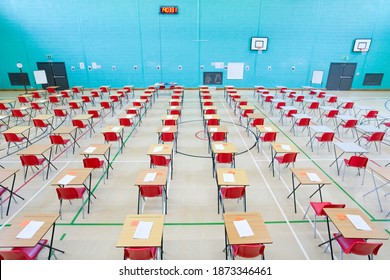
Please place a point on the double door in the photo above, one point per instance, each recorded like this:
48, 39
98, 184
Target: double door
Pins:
55, 74
341, 76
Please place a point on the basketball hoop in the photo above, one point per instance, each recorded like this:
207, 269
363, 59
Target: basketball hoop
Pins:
363, 51
259, 51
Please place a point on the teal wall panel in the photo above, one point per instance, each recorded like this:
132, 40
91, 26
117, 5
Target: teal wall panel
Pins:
136, 39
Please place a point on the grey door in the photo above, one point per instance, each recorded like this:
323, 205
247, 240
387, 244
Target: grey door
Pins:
341, 76
55, 74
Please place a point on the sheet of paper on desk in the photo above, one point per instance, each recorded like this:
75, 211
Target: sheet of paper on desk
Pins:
157, 149
66, 179
150, 177
228, 178
286, 147
213, 129
358, 222
29, 230
129, 116
115, 128
268, 128
313, 177
143, 230
219, 147
90, 150
166, 128
243, 228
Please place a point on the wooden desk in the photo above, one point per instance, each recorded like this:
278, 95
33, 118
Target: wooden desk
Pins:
240, 179
167, 129
317, 129
5, 119
10, 102
255, 221
119, 130
88, 118
161, 179
384, 174
211, 129
155, 239
169, 117
99, 150
22, 130
280, 148
69, 130
5, 174
48, 118
222, 147
262, 129
301, 175
346, 227
162, 150
80, 175
253, 116
8, 236
39, 149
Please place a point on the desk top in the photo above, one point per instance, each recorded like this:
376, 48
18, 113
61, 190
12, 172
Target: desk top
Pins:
369, 128
382, 171
347, 229
130, 225
8, 234
266, 128
113, 128
256, 222
167, 128
283, 147
64, 130
6, 173
170, 117
7, 101
35, 149
256, 116
81, 174
320, 128
160, 179
160, 149
303, 178
211, 116
99, 149
350, 147
43, 117
18, 129
83, 117
217, 128
240, 178
223, 147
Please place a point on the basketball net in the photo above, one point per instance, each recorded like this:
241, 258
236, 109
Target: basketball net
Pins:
259, 51
363, 51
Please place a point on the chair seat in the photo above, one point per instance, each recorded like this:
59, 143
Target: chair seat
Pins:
346, 243
31, 252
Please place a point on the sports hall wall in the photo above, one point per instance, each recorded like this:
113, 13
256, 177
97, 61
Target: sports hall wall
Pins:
136, 39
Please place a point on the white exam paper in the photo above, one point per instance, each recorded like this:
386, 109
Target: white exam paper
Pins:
157, 149
268, 128
166, 128
313, 177
219, 147
143, 230
286, 147
358, 222
149, 177
89, 150
228, 178
66, 179
116, 129
213, 129
243, 228
29, 230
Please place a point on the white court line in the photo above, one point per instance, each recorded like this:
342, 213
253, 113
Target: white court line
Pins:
269, 188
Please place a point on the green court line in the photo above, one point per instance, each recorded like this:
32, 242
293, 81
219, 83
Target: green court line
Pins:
372, 218
63, 236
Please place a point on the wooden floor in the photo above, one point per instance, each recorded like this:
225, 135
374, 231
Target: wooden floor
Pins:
193, 228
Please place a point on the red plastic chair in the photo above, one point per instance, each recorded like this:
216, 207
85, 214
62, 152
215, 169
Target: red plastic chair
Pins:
248, 251
65, 94
332, 101
326, 137
54, 101
104, 90
140, 253
88, 100
219, 136
96, 94
60, 114
36, 108
70, 193
318, 208
245, 114
376, 137
24, 253
40, 124
115, 100
348, 106
58, 140
279, 105
51, 90
36, 95
127, 122
158, 160
170, 122
225, 158
210, 112
208, 103
349, 125
17, 114
331, 115
237, 192
96, 115
167, 137
107, 106
23, 100
266, 137
76, 90
75, 107
268, 99
289, 114
111, 136
95, 163
286, 159
81, 125
370, 116
303, 122
4, 108
14, 139
31, 161
359, 162
150, 191
313, 107
256, 121
357, 246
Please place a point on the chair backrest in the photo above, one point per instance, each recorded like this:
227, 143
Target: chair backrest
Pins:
279, 105
158, 160
363, 248
103, 89
304, 122
372, 114
13, 255
29, 160
377, 136
348, 105
224, 158
23, 99
67, 193
76, 90
150, 190
327, 137
314, 105
39, 123
233, 192
167, 136
175, 103
332, 99
208, 103
291, 112
95, 93
218, 136
140, 253
132, 111
289, 157
105, 105
246, 112
249, 250
243, 103
78, 123
3, 107
350, 123
56, 139
299, 98
36, 95
17, 113
331, 205
175, 112
210, 112
258, 121
51, 90
86, 98
125, 122
115, 98
358, 161
92, 162
95, 113
269, 137
65, 94
60, 113
36, 106
11, 137
268, 98
137, 103
321, 94
332, 113
169, 122
54, 99
212, 122
74, 105
110, 136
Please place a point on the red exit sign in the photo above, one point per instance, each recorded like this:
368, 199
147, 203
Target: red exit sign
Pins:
169, 9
